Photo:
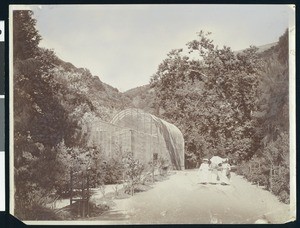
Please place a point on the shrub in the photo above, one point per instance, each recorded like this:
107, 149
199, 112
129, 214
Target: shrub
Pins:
113, 171
133, 170
274, 159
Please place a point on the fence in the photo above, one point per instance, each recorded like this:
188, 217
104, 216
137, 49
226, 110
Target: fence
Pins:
80, 192
255, 168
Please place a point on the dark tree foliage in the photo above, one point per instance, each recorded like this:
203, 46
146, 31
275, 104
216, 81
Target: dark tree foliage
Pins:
25, 36
35, 92
273, 117
40, 121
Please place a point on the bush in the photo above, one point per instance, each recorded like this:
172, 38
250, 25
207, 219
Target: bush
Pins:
36, 212
163, 165
133, 170
29, 200
113, 171
278, 184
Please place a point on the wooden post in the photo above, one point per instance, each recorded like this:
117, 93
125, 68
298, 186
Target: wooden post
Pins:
153, 168
270, 178
158, 142
110, 142
150, 148
78, 208
258, 172
132, 188
82, 195
88, 195
71, 186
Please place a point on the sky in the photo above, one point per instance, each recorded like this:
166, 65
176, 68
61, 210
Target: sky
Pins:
124, 44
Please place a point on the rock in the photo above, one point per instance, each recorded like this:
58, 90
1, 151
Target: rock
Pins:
163, 213
261, 221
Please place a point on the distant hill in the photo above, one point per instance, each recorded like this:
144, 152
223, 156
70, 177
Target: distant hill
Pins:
265, 47
262, 48
103, 99
142, 97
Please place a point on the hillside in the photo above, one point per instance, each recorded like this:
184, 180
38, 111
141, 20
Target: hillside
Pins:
265, 47
262, 48
103, 99
142, 97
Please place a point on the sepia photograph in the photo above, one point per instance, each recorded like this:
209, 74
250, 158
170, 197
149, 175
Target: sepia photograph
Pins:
152, 114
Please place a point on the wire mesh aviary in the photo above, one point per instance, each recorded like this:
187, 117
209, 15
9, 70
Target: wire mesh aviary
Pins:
141, 133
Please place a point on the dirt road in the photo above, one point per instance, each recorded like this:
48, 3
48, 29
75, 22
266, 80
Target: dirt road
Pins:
181, 200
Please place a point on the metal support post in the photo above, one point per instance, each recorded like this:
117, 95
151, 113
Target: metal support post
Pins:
71, 186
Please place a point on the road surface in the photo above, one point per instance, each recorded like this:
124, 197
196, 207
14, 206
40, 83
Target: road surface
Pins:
181, 200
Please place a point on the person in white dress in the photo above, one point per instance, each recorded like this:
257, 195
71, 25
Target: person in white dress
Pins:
204, 172
225, 174
213, 167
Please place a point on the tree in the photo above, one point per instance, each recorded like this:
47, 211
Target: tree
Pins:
211, 99
40, 121
25, 36
132, 170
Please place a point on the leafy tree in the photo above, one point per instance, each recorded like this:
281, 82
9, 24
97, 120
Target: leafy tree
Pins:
211, 99
25, 36
39, 119
274, 91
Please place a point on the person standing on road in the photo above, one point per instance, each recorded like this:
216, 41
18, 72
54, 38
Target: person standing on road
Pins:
219, 172
203, 172
213, 173
225, 172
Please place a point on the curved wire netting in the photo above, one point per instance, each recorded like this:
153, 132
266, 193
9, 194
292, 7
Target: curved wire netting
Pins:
143, 134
